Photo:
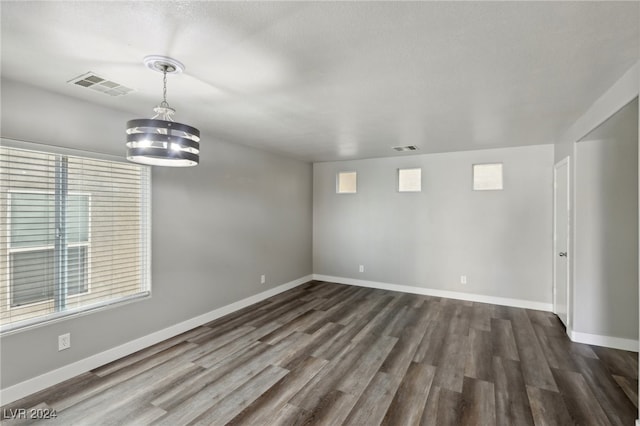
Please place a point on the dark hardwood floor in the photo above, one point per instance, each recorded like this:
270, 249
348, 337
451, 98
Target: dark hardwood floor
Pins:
332, 354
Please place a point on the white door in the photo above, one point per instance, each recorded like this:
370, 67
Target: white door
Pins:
561, 241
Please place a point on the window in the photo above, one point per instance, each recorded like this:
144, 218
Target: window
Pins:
487, 177
74, 235
410, 180
347, 183
31, 229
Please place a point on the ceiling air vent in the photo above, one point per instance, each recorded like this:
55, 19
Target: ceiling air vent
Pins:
93, 81
405, 148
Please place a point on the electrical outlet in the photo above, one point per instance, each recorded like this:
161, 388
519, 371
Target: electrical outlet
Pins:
463, 279
361, 269
263, 279
64, 341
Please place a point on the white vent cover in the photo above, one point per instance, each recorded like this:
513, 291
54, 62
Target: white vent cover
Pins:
93, 81
405, 148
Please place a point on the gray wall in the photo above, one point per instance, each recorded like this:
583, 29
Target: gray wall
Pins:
606, 228
216, 228
502, 240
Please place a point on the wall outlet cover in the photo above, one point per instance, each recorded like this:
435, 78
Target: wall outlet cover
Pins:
64, 341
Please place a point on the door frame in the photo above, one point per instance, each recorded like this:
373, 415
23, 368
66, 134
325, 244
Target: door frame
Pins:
565, 161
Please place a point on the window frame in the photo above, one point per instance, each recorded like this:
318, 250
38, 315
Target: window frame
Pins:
399, 175
473, 176
346, 172
144, 236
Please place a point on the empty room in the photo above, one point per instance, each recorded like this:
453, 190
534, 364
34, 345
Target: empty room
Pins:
288, 213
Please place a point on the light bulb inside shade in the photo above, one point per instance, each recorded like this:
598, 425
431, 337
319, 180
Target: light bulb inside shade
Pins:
151, 161
175, 147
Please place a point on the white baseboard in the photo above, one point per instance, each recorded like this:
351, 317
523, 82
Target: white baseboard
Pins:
606, 341
36, 384
516, 303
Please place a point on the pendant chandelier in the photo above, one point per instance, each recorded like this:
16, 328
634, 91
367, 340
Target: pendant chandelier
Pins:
161, 141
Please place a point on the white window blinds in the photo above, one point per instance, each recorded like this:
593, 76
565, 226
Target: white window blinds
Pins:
74, 235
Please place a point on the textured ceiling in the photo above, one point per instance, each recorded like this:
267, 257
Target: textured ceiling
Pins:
326, 81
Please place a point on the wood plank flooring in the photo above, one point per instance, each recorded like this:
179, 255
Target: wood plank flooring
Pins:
331, 354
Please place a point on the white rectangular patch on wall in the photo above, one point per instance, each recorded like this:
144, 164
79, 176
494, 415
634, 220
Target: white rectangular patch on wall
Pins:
410, 180
347, 183
487, 177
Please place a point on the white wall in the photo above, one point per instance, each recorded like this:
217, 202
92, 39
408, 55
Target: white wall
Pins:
621, 93
216, 228
500, 239
606, 228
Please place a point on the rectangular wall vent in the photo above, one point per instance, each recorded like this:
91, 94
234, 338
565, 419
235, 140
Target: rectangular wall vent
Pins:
93, 81
405, 148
